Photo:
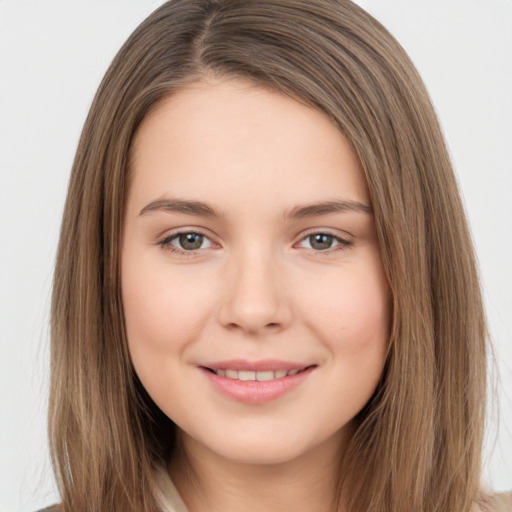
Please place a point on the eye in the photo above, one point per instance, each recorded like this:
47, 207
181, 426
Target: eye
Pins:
186, 242
322, 242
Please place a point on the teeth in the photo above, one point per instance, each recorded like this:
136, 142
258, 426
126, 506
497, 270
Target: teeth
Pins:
247, 375
265, 376
259, 376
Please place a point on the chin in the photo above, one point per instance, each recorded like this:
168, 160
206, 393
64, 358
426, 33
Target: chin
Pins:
272, 446
262, 453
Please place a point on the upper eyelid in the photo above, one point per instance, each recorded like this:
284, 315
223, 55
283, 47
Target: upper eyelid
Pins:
342, 242
346, 238
303, 236
182, 231
173, 236
326, 231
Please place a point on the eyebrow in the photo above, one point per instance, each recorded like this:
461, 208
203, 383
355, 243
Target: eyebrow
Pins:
203, 209
181, 206
326, 207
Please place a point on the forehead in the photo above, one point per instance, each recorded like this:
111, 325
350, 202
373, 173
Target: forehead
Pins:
227, 139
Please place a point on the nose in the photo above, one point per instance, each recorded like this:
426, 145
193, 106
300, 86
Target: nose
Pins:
254, 296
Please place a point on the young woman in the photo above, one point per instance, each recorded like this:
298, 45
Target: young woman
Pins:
265, 293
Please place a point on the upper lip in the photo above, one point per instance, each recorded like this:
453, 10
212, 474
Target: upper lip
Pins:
256, 366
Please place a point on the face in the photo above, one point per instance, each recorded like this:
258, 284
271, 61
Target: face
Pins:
257, 309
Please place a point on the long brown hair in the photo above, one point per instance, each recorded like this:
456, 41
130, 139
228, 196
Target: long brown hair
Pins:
418, 442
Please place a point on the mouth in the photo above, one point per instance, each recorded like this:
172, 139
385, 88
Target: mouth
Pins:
256, 383
260, 376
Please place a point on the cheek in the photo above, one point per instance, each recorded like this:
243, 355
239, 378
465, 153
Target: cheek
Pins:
354, 325
352, 312
163, 309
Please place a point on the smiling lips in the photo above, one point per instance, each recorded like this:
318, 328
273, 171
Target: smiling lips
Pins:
255, 383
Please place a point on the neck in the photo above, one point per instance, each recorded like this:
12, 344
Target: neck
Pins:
209, 482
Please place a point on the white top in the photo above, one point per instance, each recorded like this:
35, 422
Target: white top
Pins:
170, 500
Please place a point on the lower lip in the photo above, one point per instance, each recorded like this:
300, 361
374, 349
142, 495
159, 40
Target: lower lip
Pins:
253, 391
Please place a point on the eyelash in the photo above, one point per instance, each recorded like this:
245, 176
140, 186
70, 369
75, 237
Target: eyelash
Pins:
166, 245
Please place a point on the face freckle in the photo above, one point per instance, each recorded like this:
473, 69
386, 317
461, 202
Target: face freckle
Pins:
227, 281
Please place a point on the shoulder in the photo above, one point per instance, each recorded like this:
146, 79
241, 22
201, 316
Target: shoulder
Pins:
497, 503
53, 508
503, 502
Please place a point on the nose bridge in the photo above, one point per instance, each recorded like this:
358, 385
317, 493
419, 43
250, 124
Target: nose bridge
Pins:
254, 298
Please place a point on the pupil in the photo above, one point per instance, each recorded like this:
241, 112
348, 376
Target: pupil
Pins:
191, 241
321, 241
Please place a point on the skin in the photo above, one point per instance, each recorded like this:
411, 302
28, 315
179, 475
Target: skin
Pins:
259, 286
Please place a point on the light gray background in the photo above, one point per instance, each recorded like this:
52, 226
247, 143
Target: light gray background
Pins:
52, 57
